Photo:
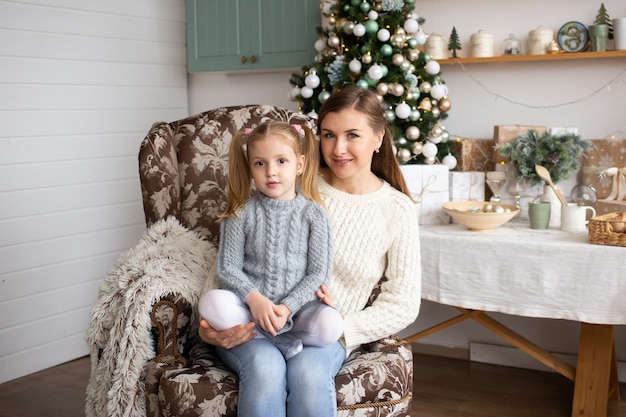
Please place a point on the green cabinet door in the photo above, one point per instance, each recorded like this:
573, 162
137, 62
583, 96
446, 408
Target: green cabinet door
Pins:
250, 34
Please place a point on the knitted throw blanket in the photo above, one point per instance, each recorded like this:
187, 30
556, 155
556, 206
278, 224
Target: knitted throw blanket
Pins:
169, 259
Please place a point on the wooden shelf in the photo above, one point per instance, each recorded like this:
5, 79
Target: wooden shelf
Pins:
531, 58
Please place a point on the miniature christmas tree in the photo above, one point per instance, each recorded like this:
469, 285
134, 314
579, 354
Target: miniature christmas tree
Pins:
603, 18
454, 44
374, 44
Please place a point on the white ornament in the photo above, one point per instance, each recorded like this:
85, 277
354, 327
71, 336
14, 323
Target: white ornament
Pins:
359, 30
375, 72
312, 80
420, 37
450, 161
403, 110
429, 150
435, 139
306, 92
433, 67
355, 65
294, 93
320, 45
372, 15
383, 35
312, 114
438, 91
411, 25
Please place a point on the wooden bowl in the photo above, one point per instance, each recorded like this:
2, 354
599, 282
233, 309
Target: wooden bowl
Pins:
472, 214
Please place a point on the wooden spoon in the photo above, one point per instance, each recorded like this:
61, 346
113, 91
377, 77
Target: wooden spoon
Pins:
544, 174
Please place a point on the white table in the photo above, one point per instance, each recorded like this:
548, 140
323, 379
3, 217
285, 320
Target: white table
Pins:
548, 274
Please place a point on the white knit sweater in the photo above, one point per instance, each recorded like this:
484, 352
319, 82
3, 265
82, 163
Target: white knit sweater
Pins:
376, 235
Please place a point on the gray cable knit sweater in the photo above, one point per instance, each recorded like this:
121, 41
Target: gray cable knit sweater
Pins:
282, 248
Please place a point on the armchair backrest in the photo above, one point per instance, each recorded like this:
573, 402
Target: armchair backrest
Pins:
183, 165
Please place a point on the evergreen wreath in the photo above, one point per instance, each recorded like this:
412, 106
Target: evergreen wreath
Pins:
560, 154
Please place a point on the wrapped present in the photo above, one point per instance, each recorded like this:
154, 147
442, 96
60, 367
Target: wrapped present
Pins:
474, 154
606, 207
467, 186
506, 133
600, 166
430, 187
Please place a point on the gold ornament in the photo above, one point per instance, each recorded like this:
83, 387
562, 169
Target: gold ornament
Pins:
382, 88
412, 133
404, 155
425, 87
414, 54
334, 41
444, 104
366, 59
426, 104
397, 89
417, 148
397, 59
553, 48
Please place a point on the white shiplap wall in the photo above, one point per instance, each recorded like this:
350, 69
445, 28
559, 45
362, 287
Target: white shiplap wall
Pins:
81, 82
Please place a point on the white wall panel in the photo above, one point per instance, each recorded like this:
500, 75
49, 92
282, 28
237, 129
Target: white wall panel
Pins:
80, 85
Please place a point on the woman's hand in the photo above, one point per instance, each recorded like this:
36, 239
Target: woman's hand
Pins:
228, 338
324, 294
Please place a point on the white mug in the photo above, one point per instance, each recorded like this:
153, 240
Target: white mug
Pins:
574, 217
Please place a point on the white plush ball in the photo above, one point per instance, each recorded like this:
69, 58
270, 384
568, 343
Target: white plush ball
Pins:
306, 92
411, 25
312, 80
355, 65
450, 161
429, 150
383, 35
403, 110
438, 91
375, 72
359, 30
432, 67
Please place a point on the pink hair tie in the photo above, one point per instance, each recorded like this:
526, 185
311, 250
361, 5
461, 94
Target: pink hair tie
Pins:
298, 129
247, 131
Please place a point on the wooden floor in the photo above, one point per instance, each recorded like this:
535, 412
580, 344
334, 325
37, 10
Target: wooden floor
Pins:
444, 387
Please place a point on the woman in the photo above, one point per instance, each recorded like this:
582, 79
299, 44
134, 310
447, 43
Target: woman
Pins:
375, 234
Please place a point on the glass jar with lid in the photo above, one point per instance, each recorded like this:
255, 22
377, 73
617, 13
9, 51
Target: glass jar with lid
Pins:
512, 45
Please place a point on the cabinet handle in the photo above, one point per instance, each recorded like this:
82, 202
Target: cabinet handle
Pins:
244, 59
253, 59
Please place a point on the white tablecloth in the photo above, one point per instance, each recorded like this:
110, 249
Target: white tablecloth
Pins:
517, 270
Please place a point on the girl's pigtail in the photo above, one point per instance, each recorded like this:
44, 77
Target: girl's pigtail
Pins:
238, 176
308, 181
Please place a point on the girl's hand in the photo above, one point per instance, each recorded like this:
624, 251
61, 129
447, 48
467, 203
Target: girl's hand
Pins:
264, 312
228, 338
324, 294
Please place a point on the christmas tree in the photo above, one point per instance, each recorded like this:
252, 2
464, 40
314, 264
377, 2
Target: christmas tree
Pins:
374, 44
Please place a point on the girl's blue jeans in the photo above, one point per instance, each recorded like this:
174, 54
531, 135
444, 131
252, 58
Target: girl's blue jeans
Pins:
269, 386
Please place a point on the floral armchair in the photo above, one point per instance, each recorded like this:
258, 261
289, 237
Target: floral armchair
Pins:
183, 168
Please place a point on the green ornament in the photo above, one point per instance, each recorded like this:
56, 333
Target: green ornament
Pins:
401, 141
386, 50
346, 8
385, 70
362, 84
415, 115
412, 42
364, 49
371, 26
356, 2
390, 116
409, 1
365, 7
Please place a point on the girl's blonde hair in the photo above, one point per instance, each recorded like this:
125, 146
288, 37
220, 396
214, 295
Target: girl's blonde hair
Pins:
301, 139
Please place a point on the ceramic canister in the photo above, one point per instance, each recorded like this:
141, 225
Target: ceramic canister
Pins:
436, 47
539, 40
619, 33
482, 44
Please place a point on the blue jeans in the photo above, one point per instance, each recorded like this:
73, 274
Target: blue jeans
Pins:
269, 386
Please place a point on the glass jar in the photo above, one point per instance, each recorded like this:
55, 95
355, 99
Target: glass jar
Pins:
512, 45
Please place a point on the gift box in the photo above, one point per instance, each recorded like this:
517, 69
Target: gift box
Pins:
474, 154
467, 186
430, 187
597, 161
605, 207
503, 134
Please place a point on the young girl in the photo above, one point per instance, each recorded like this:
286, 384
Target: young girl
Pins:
276, 245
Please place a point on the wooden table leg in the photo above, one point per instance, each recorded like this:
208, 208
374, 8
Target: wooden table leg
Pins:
596, 371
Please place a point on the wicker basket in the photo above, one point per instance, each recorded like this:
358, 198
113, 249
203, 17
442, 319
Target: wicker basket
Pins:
601, 230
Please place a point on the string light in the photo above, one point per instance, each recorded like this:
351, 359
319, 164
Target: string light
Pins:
615, 80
